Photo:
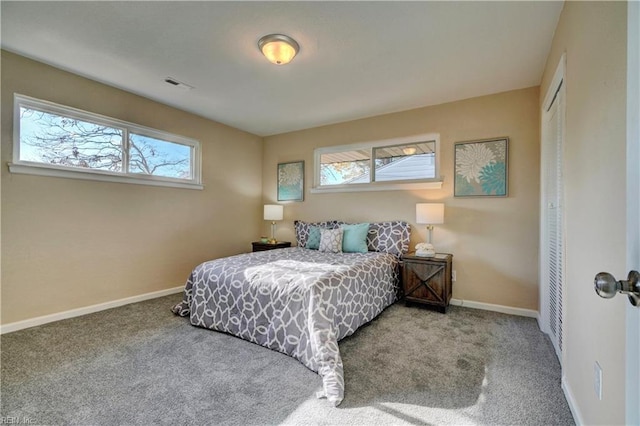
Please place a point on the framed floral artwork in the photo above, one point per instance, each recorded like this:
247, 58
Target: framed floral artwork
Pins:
291, 181
481, 168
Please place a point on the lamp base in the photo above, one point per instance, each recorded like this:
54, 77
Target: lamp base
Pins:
273, 240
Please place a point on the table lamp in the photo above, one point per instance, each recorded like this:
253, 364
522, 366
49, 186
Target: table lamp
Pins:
429, 214
273, 212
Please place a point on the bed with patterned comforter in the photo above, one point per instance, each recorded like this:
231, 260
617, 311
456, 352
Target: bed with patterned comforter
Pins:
296, 301
299, 301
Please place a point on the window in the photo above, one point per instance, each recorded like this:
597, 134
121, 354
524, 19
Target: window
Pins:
406, 163
54, 140
344, 167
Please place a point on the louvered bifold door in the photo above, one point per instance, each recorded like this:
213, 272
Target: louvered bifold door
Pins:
553, 251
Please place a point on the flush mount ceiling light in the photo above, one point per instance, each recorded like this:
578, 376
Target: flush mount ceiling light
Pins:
278, 48
409, 150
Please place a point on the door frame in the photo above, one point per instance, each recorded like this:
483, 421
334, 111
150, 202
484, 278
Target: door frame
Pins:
632, 391
557, 86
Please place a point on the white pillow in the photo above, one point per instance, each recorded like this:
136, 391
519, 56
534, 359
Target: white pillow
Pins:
331, 240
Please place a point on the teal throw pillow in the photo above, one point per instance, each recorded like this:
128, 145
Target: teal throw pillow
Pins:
354, 239
313, 240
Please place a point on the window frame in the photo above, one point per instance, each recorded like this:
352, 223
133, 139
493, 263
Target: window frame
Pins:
124, 176
412, 184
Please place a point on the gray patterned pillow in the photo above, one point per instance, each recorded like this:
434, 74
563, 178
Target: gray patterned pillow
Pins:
331, 240
389, 237
302, 229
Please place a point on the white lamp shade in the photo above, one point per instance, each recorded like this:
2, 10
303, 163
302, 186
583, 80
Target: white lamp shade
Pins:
430, 213
273, 212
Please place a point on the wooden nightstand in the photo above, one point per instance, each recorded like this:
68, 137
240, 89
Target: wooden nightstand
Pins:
427, 280
258, 246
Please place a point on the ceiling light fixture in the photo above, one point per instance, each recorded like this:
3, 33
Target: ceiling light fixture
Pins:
278, 48
409, 150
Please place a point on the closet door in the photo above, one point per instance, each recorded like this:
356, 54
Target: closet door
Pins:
552, 221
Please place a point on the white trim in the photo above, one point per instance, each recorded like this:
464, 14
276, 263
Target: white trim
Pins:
573, 406
557, 88
376, 186
558, 77
539, 320
33, 322
424, 137
127, 128
43, 170
632, 334
530, 313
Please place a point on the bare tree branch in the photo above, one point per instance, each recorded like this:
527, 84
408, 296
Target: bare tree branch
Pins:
71, 142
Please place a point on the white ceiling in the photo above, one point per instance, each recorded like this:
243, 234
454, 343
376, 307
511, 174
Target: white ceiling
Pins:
357, 59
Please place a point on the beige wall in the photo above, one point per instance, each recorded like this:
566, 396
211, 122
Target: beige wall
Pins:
593, 35
494, 241
70, 243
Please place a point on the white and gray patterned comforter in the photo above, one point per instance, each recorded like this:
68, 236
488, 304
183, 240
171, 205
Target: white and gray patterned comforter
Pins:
296, 301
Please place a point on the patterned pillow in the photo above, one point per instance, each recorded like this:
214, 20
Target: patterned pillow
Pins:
389, 237
331, 240
302, 229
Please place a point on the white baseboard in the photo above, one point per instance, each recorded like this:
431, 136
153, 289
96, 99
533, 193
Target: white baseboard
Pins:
539, 319
495, 308
20, 325
571, 401
33, 322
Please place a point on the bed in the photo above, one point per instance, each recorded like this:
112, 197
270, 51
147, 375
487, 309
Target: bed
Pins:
300, 301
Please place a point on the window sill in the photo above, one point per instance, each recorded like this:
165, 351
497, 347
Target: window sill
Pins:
407, 186
32, 169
